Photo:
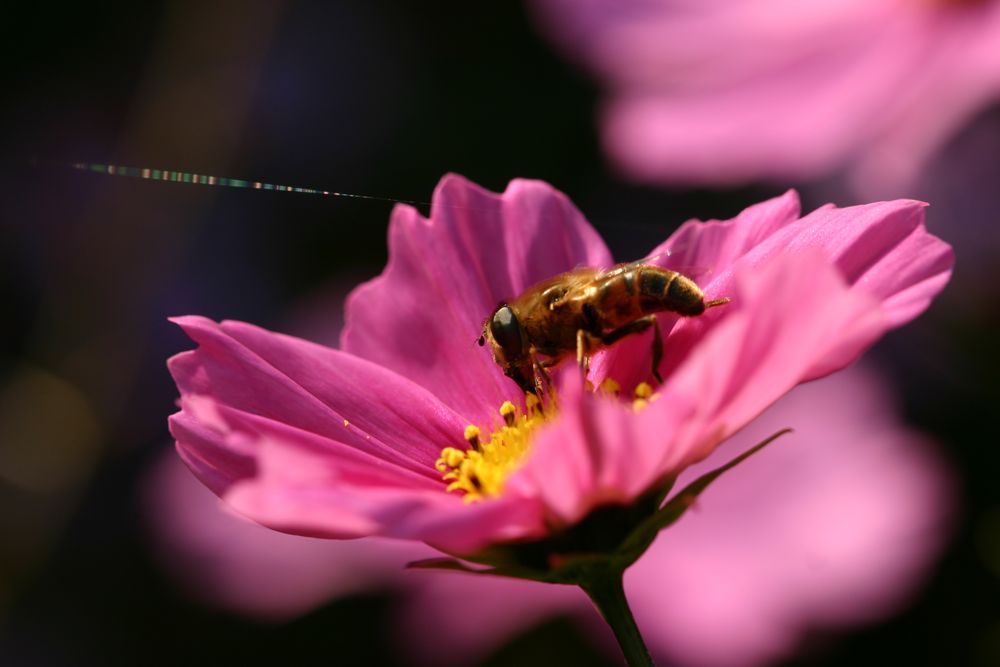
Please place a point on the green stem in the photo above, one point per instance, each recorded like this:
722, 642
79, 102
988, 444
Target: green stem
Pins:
608, 595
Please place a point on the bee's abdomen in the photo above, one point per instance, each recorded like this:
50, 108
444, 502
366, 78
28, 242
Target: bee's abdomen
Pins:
615, 301
663, 289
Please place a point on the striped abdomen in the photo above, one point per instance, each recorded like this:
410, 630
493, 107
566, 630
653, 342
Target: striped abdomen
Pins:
635, 290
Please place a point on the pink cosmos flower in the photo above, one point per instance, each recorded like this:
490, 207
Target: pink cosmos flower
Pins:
729, 91
766, 557
343, 443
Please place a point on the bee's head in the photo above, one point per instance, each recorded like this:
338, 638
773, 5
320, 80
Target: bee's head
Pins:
504, 334
509, 345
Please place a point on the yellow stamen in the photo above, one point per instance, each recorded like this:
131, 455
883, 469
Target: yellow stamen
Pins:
472, 436
481, 470
643, 390
609, 386
644, 395
508, 412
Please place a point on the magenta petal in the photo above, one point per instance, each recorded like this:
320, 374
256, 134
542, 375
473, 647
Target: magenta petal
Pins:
242, 433
318, 442
792, 320
307, 484
445, 275
883, 248
700, 248
316, 389
703, 251
598, 452
303, 492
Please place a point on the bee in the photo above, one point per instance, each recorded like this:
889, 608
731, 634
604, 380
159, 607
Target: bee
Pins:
585, 310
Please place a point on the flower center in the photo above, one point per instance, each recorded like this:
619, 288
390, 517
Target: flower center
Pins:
481, 470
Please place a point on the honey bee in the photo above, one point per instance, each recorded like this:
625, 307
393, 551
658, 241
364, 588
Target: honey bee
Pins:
584, 310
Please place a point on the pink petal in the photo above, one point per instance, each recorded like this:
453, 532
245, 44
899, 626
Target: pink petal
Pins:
880, 249
598, 452
706, 247
313, 441
306, 484
883, 248
796, 320
445, 275
302, 492
316, 389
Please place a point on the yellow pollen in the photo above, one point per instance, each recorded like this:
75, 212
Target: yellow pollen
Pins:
508, 412
644, 395
643, 390
472, 436
609, 386
481, 470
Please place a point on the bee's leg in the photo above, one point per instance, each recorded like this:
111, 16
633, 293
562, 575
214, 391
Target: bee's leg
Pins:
657, 352
542, 375
541, 383
584, 344
638, 326
520, 377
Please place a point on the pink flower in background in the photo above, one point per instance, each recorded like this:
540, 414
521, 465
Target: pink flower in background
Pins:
225, 560
731, 91
826, 531
342, 444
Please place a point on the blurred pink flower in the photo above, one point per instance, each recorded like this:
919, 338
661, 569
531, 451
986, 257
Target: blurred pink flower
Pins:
831, 528
225, 560
342, 444
730, 91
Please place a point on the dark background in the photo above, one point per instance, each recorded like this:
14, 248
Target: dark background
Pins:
377, 98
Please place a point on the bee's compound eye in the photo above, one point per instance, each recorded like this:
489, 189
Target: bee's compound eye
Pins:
506, 331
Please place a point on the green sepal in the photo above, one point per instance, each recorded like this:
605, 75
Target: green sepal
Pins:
442, 564
453, 565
